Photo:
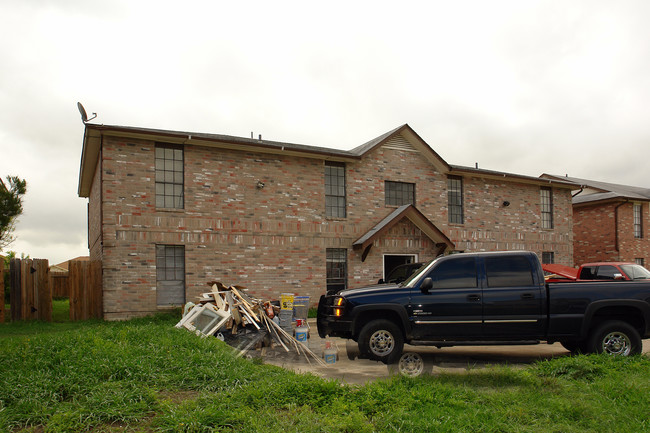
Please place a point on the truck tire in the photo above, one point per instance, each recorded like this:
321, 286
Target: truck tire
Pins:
615, 338
381, 340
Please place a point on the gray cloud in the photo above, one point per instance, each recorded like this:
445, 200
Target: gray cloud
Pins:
525, 87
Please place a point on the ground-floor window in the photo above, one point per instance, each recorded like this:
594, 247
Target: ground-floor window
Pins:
337, 269
639, 261
548, 257
170, 275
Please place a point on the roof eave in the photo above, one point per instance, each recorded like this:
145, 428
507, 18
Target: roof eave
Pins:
489, 174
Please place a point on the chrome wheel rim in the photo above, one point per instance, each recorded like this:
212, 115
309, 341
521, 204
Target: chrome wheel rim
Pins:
381, 343
617, 343
411, 364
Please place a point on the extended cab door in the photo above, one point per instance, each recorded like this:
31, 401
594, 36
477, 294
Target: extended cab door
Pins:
452, 308
512, 298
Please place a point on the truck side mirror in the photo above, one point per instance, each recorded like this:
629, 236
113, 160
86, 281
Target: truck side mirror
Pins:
426, 285
381, 281
618, 276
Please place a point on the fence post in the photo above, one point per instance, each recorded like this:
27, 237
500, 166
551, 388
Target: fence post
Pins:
15, 299
42, 290
2, 290
73, 286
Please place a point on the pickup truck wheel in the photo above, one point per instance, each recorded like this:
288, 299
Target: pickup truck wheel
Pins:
615, 338
382, 340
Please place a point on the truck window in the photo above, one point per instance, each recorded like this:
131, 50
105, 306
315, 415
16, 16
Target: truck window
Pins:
606, 272
636, 272
455, 274
508, 271
588, 273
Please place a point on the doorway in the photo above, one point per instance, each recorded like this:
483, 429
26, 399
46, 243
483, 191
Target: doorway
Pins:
391, 261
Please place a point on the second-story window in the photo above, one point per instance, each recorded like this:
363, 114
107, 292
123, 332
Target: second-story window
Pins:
169, 176
546, 198
399, 193
638, 225
335, 189
455, 199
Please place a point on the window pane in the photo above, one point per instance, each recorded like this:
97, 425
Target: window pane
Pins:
336, 269
169, 176
455, 274
399, 193
546, 199
335, 201
508, 271
455, 199
170, 275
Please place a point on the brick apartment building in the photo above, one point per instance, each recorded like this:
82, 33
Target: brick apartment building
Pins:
169, 211
609, 221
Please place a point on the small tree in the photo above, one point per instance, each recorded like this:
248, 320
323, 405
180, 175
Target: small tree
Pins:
11, 205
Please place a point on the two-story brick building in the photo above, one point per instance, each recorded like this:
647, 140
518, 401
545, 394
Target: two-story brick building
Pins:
609, 221
169, 211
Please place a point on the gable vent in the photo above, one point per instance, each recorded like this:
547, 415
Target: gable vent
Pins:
399, 143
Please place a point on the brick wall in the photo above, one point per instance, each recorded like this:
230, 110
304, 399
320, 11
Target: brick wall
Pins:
273, 239
491, 226
605, 232
631, 248
595, 233
94, 217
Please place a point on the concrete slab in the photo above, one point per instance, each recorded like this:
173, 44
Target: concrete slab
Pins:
449, 359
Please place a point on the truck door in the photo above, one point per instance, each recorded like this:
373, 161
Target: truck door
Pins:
512, 299
452, 308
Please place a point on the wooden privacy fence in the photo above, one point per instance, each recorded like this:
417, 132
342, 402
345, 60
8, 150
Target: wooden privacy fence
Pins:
31, 289
30, 293
85, 288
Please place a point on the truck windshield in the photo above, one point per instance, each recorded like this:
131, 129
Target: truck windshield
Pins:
416, 275
636, 272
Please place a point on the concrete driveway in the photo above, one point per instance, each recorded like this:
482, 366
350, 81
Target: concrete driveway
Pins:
447, 359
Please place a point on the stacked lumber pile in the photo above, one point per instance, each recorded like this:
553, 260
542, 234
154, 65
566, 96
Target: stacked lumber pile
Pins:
240, 320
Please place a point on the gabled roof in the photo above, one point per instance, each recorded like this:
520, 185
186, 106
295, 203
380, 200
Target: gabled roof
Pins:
413, 138
93, 134
593, 191
93, 137
416, 217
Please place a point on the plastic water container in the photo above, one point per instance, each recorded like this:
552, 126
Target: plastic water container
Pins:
302, 332
330, 353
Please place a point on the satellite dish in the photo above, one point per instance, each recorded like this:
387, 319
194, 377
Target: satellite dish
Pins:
84, 116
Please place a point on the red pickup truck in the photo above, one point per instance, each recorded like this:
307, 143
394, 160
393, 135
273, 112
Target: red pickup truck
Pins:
623, 271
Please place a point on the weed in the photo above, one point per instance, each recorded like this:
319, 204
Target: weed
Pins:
145, 375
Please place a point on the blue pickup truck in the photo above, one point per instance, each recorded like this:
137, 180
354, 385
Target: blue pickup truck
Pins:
486, 299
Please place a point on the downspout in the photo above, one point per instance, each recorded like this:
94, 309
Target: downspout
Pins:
616, 246
582, 188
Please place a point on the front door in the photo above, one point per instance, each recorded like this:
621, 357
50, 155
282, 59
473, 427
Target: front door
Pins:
453, 308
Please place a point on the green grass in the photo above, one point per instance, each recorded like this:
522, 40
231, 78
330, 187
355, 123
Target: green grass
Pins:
145, 375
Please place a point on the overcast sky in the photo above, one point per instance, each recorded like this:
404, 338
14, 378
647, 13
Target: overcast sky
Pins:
527, 87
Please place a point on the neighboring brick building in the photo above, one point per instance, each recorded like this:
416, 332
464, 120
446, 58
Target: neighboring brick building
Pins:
169, 211
609, 221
